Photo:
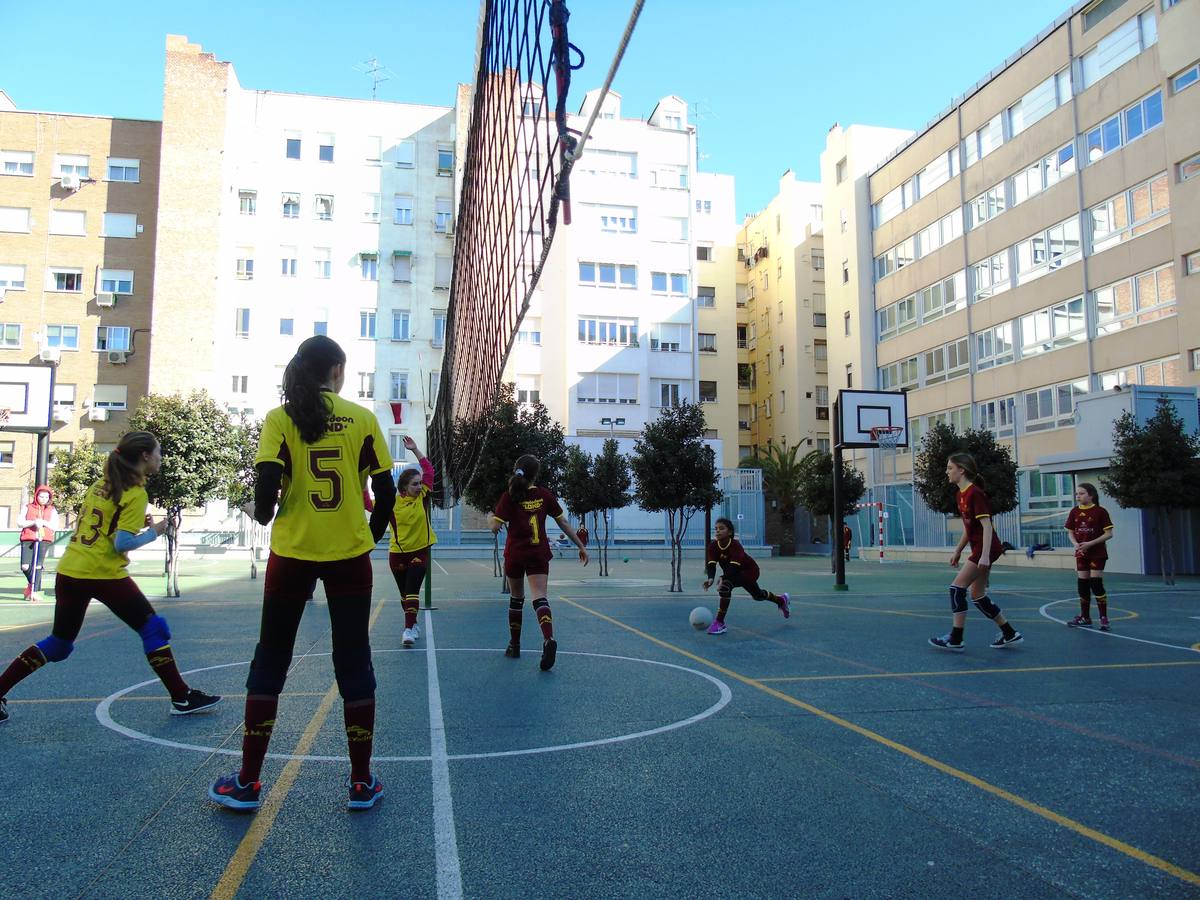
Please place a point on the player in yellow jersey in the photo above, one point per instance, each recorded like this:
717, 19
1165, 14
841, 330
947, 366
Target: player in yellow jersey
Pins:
111, 522
313, 457
412, 538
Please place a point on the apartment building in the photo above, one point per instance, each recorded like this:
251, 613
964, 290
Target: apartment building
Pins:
637, 292
78, 215
1038, 241
783, 388
289, 215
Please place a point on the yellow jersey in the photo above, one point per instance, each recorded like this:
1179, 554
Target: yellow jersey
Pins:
411, 530
321, 514
92, 552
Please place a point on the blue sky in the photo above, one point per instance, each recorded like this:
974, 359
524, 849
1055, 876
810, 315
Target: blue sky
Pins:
766, 80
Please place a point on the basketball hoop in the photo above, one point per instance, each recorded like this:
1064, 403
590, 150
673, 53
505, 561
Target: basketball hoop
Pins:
887, 436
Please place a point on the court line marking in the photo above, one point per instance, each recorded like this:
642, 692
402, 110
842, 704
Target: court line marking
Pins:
243, 857
104, 715
790, 678
445, 840
440, 566
1057, 818
1111, 634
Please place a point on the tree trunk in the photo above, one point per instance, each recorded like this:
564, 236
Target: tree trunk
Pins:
604, 550
174, 520
787, 535
675, 582
1166, 549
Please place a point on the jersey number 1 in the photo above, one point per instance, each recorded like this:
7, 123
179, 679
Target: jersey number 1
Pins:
534, 529
331, 477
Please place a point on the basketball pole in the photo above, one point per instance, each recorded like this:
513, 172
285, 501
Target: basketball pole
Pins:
839, 563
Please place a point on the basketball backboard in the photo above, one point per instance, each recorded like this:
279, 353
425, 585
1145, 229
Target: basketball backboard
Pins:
26, 391
860, 411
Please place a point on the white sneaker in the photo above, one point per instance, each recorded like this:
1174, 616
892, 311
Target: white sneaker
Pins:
416, 632
409, 637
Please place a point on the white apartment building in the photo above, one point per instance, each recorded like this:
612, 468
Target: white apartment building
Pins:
628, 309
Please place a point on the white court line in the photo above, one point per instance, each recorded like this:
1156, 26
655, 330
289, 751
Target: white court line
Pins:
1110, 634
440, 566
445, 843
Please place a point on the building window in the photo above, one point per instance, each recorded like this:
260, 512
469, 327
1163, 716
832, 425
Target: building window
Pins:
670, 337
371, 207
1053, 327
442, 269
990, 277
1189, 168
845, 271
245, 264
403, 210
325, 147
706, 297
706, 343
708, 392
998, 416
14, 219
818, 261
287, 262
607, 387
400, 325
70, 164
608, 275
321, 326
366, 324
406, 154
529, 389
1191, 263
669, 394
12, 278
1166, 372
110, 396
529, 334
68, 221
16, 162
322, 262
1117, 48
704, 252
110, 337
65, 337
1124, 127
374, 150
1130, 214
116, 281
994, 346
368, 264
1184, 79
435, 382
439, 329
399, 386
445, 159
1053, 406
948, 361
120, 169
323, 207
366, 385
292, 145
10, 335
241, 323
841, 170
895, 376
119, 225
1135, 301
285, 326
621, 332
820, 351
247, 202
443, 221
846, 324
401, 266
1047, 250
616, 219
69, 281
291, 206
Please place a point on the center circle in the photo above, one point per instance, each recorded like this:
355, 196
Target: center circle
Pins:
104, 716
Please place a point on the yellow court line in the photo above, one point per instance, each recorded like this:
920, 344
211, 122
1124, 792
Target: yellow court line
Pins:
790, 678
1196, 646
1028, 805
239, 864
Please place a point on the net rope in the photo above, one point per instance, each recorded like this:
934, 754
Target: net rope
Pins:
514, 186
887, 438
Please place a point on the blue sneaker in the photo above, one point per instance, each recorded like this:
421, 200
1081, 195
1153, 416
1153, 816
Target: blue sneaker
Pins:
363, 795
231, 793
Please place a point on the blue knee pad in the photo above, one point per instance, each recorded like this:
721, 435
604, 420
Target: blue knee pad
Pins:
985, 605
268, 671
958, 599
155, 634
355, 674
55, 649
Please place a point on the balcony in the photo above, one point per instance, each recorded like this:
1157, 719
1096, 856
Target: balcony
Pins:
743, 425
743, 344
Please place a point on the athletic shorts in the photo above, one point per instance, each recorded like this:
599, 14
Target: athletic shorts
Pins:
297, 578
519, 564
1089, 562
977, 552
399, 562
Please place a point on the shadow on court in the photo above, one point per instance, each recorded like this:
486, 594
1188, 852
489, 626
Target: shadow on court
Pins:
834, 754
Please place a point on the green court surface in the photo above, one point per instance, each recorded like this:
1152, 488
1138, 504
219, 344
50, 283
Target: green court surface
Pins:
832, 754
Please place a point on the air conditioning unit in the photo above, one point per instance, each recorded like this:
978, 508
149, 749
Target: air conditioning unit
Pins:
69, 182
105, 299
98, 414
118, 357
64, 413
50, 354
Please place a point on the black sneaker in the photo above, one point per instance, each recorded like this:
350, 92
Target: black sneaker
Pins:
231, 793
513, 650
195, 701
549, 651
943, 643
1002, 641
3, 710
363, 795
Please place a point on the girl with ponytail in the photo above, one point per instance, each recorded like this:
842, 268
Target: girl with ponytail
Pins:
112, 521
523, 508
976, 513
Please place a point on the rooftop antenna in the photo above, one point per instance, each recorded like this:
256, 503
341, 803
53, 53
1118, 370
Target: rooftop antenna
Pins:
378, 73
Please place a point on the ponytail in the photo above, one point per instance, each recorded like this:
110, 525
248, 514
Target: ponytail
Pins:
966, 462
121, 469
303, 380
524, 474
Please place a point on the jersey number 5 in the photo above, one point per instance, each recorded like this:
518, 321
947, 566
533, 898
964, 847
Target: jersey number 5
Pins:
331, 497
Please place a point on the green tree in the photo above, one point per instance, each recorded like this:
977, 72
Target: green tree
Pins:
781, 475
815, 485
1155, 467
995, 462
239, 492
611, 480
199, 460
577, 486
673, 472
71, 474
510, 430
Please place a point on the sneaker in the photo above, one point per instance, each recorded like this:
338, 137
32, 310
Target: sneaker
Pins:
196, 701
513, 650
549, 651
1104, 623
1081, 622
717, 627
943, 643
28, 592
1002, 641
3, 710
409, 637
785, 606
363, 795
231, 793
416, 632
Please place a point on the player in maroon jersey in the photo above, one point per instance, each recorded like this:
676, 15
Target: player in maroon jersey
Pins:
523, 510
976, 514
738, 569
1090, 527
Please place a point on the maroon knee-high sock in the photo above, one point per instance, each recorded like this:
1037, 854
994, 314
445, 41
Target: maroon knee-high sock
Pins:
27, 662
516, 611
359, 716
724, 597
260, 720
162, 661
410, 604
545, 619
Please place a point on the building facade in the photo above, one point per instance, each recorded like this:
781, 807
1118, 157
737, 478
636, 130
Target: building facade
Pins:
78, 218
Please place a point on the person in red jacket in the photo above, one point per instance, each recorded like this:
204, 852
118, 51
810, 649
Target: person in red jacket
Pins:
38, 525
738, 569
847, 539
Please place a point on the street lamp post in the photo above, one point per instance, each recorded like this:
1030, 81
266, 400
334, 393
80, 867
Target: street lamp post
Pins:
612, 424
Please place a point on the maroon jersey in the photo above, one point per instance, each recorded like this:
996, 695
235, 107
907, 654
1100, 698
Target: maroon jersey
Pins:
973, 507
733, 559
1088, 523
526, 521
